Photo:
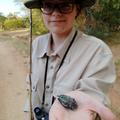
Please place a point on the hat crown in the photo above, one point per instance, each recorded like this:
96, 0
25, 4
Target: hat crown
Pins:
31, 4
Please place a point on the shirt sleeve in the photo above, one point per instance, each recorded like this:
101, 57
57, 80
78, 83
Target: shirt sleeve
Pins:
99, 76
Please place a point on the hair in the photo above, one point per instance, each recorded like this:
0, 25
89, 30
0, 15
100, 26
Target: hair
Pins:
79, 9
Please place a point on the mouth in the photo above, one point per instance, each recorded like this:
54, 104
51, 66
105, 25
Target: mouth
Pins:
57, 21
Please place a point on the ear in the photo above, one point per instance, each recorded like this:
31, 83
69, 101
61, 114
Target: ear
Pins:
78, 10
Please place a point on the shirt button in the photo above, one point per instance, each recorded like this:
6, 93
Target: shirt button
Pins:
33, 87
47, 86
46, 104
51, 67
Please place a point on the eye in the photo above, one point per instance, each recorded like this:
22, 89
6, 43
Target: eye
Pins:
66, 6
47, 6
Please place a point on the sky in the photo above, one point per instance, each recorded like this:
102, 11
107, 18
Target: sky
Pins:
9, 6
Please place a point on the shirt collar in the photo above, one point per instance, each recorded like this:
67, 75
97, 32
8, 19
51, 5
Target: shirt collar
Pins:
63, 47
43, 46
46, 48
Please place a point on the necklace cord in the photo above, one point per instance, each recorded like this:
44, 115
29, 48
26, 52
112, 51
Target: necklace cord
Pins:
46, 67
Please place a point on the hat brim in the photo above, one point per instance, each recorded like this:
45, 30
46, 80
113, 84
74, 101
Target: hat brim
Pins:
37, 3
33, 4
86, 3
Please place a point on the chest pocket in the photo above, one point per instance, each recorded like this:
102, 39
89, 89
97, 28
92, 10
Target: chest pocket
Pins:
38, 73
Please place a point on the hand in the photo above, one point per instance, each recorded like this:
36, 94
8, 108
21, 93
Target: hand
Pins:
87, 106
58, 112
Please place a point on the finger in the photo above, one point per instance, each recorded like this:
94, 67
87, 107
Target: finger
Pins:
52, 116
57, 111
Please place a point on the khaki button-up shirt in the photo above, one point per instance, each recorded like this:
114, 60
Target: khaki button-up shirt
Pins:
88, 67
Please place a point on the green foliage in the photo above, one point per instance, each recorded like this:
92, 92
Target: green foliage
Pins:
2, 19
114, 38
26, 22
38, 25
106, 17
117, 62
113, 3
99, 31
109, 13
12, 24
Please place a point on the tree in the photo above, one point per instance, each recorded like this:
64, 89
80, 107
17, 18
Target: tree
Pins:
13, 22
106, 15
2, 19
113, 3
38, 25
110, 13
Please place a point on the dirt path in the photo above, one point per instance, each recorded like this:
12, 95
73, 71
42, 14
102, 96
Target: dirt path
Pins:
12, 83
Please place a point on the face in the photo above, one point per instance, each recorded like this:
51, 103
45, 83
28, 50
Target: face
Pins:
57, 20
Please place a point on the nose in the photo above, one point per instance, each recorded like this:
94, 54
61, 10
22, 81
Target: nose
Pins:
56, 11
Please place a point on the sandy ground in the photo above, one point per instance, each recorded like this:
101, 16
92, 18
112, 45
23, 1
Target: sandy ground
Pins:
12, 83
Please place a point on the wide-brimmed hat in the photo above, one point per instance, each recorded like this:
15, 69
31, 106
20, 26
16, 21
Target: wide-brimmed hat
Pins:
31, 4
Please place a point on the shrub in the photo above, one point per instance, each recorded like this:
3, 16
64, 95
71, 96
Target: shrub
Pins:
99, 31
12, 24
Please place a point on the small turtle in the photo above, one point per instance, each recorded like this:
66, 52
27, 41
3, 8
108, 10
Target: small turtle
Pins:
67, 102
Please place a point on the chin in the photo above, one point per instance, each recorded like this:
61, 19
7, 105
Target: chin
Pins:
59, 30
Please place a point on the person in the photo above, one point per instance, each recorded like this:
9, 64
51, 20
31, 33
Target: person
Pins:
68, 62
